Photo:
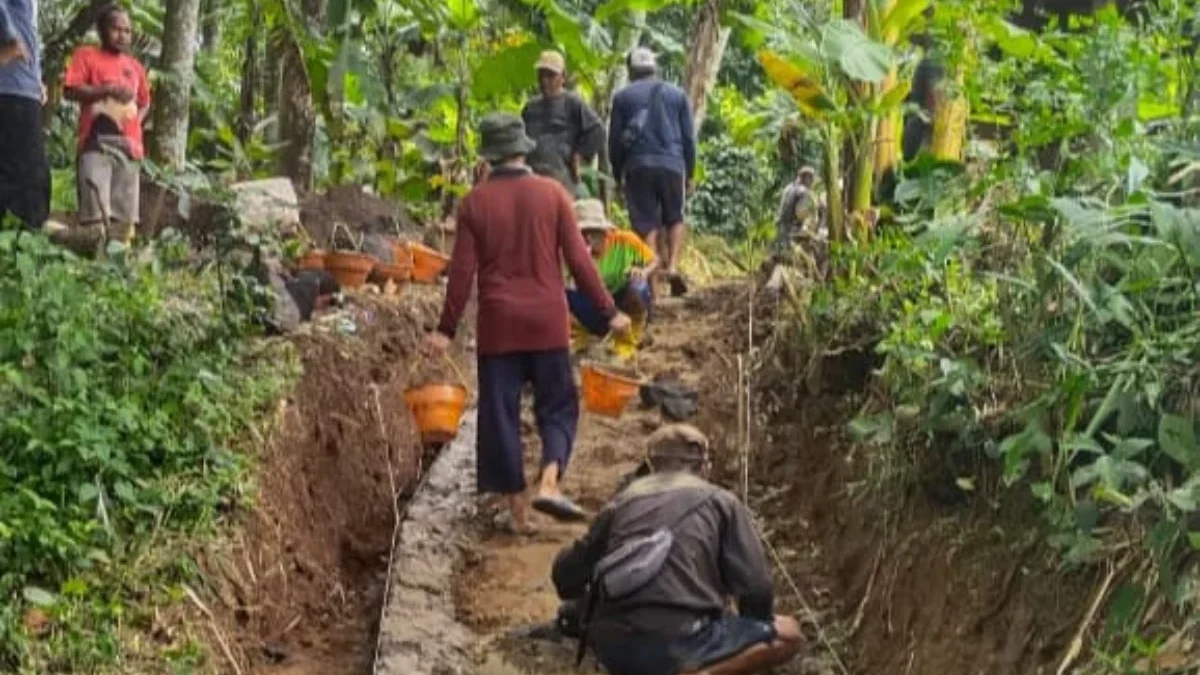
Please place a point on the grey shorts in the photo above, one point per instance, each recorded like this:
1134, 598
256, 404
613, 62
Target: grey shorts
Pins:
109, 185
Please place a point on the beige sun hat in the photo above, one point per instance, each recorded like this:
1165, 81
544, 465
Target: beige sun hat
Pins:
591, 216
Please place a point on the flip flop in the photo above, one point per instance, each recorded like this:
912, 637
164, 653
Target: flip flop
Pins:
547, 631
560, 508
679, 287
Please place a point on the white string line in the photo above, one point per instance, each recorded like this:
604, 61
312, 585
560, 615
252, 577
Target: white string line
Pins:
745, 447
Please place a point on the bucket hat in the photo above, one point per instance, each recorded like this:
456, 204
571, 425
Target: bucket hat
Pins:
502, 135
590, 215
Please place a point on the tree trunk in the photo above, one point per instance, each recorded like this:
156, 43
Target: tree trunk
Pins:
857, 145
704, 58
835, 212
269, 77
297, 116
457, 168
628, 36
251, 77
168, 144
210, 24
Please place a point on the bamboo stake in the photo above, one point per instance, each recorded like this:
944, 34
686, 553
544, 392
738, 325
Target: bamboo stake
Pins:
749, 397
741, 423
212, 626
1077, 643
744, 423
397, 518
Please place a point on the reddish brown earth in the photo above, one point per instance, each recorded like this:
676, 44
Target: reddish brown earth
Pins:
298, 589
905, 586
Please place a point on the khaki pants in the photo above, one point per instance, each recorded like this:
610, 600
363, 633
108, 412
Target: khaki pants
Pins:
109, 193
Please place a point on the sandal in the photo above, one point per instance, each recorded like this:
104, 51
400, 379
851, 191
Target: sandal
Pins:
679, 287
560, 508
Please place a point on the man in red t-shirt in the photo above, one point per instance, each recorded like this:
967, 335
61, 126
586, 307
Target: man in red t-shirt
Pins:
113, 94
514, 231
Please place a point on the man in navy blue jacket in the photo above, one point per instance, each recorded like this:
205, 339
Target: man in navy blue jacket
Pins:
652, 148
24, 171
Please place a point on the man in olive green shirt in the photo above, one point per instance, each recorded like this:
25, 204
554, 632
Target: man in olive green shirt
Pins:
568, 133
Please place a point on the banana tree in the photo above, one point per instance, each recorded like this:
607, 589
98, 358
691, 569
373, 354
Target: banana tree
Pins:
846, 77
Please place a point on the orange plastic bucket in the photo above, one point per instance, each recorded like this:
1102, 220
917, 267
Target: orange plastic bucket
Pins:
606, 392
398, 273
402, 253
438, 409
349, 269
313, 260
428, 264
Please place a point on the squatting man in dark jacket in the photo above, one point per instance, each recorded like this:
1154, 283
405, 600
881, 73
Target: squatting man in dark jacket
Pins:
672, 620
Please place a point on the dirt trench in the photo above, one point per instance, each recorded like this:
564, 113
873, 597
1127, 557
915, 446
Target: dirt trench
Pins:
886, 585
908, 587
297, 587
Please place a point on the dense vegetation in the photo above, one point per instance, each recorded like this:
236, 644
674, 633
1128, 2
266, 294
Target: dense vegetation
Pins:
126, 386
1029, 289
1034, 310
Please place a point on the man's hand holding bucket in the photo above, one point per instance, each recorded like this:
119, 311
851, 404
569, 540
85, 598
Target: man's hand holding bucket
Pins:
435, 344
620, 324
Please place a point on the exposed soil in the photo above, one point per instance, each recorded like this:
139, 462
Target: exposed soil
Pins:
910, 582
361, 212
916, 586
912, 586
504, 586
299, 590
909, 589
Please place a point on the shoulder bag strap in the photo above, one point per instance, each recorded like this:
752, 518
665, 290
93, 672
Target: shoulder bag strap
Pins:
651, 106
593, 595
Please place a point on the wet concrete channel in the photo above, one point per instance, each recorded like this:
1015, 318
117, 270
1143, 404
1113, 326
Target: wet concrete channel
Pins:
419, 633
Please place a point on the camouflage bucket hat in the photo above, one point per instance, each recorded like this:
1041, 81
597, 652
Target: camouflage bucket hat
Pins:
502, 136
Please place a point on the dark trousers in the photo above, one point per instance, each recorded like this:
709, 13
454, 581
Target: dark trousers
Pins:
633, 298
499, 456
24, 170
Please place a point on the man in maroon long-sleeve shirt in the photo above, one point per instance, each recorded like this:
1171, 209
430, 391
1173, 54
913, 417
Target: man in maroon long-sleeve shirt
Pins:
514, 229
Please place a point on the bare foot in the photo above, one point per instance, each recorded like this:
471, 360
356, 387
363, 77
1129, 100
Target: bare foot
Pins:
507, 523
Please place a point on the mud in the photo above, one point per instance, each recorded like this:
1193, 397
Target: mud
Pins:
885, 583
503, 587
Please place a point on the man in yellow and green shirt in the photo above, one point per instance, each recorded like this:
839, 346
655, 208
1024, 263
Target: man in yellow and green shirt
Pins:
625, 263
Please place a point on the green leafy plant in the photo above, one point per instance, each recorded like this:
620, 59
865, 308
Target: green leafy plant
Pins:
124, 386
732, 195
